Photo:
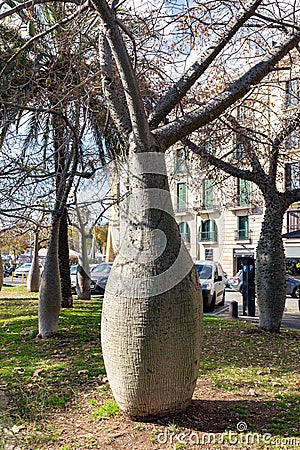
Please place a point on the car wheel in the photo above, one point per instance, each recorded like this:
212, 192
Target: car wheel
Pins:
212, 305
295, 293
222, 303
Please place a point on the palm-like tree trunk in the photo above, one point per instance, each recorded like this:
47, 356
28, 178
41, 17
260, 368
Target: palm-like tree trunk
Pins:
50, 292
83, 284
1, 273
34, 276
64, 267
152, 313
270, 267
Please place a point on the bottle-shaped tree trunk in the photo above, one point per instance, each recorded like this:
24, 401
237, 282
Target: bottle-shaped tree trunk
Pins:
270, 267
34, 276
83, 279
50, 291
64, 266
1, 272
152, 312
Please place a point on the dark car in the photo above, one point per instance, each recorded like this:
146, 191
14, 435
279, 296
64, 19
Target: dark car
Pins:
99, 277
292, 286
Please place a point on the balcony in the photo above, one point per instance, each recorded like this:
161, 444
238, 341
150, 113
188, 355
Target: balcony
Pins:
207, 208
182, 209
242, 235
235, 207
208, 236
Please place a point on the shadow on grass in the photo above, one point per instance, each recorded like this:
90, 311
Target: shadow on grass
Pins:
248, 416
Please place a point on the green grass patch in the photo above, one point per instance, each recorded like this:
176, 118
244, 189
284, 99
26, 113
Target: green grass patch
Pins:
44, 377
108, 409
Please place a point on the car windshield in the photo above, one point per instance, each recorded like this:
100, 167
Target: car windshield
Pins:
102, 268
204, 271
73, 270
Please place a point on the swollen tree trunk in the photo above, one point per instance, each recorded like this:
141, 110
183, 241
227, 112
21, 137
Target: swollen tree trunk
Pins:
34, 276
83, 279
270, 267
50, 292
152, 312
1, 273
64, 266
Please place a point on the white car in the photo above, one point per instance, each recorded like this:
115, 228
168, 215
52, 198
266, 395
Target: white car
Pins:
24, 269
212, 284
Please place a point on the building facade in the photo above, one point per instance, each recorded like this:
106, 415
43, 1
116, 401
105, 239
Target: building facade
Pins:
220, 218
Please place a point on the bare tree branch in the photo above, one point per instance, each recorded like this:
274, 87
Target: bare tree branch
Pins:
115, 99
178, 91
183, 126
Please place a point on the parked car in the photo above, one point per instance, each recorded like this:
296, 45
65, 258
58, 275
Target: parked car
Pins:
292, 286
99, 277
73, 276
8, 270
212, 284
237, 281
23, 269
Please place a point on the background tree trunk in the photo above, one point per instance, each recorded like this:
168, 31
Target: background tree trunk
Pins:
1, 272
50, 292
64, 266
152, 312
83, 279
34, 276
270, 267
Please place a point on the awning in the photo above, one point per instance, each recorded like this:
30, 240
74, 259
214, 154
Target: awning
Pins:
241, 252
292, 235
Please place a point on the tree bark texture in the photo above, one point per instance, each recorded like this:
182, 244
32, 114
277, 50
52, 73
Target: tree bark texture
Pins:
1, 273
270, 268
64, 266
83, 279
152, 312
50, 293
34, 276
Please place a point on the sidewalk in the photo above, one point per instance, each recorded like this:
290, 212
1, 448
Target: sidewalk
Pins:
291, 315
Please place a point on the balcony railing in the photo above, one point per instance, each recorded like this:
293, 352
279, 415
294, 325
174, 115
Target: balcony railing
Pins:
210, 205
242, 235
208, 236
238, 205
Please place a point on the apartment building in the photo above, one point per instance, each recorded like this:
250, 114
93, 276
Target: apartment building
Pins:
220, 218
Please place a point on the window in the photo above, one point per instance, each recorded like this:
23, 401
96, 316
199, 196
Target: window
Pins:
292, 92
208, 231
181, 197
243, 228
292, 176
292, 141
185, 233
208, 148
239, 146
209, 254
293, 220
208, 193
243, 113
243, 192
180, 161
